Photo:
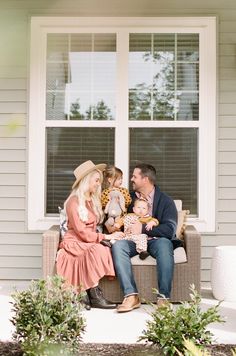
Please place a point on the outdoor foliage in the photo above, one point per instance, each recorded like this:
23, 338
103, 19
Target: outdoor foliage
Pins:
48, 318
192, 350
169, 327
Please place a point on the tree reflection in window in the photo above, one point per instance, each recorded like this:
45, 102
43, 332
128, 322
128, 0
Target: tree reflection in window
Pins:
100, 111
164, 77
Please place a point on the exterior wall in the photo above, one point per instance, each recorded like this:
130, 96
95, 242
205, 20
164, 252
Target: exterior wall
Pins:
20, 251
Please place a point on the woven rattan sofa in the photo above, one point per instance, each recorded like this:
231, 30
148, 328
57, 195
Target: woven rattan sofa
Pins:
185, 273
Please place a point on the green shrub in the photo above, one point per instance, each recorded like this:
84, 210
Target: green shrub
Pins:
47, 318
169, 327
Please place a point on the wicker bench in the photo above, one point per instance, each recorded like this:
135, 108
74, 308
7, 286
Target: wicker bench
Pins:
185, 273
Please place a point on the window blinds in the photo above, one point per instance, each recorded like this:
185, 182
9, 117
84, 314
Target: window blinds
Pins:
66, 149
173, 152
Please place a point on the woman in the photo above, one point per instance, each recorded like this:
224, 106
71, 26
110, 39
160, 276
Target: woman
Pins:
82, 260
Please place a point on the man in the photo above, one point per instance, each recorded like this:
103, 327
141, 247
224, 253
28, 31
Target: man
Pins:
160, 239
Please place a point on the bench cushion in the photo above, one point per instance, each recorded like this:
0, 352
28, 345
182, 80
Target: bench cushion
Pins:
179, 257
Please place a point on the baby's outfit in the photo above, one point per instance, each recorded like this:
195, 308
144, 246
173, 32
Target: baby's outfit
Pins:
140, 240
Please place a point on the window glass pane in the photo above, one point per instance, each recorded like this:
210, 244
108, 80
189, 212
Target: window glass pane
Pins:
188, 47
81, 76
187, 76
174, 154
163, 70
55, 108
151, 76
66, 149
188, 108
57, 47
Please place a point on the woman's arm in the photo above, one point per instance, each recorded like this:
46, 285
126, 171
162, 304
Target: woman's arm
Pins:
82, 229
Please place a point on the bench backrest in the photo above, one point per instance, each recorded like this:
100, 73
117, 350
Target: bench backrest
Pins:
178, 204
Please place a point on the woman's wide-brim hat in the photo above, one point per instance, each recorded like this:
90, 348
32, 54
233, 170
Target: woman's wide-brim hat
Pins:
86, 168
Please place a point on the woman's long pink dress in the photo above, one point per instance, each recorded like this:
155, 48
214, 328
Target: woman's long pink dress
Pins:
82, 260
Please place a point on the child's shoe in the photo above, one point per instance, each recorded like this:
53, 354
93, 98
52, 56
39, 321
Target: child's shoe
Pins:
143, 255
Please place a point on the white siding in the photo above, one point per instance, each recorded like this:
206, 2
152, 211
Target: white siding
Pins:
25, 262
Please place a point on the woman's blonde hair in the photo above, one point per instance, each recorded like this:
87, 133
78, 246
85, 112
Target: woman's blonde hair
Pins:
113, 173
80, 192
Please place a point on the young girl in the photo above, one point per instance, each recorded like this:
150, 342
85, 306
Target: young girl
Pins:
112, 179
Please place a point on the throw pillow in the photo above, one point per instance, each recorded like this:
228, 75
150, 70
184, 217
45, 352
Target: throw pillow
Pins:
63, 221
181, 223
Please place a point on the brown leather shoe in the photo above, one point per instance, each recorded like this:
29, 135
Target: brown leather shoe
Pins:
129, 303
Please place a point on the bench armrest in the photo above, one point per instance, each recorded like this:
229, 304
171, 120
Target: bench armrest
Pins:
50, 242
192, 241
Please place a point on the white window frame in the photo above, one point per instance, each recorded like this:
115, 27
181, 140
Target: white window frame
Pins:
40, 26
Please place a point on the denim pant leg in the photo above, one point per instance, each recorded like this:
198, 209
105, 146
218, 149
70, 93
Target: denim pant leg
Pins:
162, 250
122, 251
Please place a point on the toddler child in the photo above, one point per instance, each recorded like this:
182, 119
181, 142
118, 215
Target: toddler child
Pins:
140, 213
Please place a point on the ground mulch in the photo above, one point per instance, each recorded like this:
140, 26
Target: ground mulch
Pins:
89, 349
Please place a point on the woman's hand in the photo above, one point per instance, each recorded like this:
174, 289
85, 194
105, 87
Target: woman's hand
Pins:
110, 228
118, 235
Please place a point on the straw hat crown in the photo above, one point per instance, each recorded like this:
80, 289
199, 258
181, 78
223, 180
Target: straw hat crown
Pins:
85, 168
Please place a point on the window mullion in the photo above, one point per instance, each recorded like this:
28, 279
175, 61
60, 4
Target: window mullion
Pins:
152, 69
92, 78
69, 78
122, 133
175, 76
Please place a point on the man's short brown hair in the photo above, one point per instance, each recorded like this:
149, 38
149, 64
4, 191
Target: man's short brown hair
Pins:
147, 170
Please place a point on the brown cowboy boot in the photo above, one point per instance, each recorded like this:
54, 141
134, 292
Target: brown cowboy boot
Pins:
97, 299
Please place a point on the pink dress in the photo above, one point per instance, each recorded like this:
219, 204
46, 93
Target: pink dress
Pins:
82, 260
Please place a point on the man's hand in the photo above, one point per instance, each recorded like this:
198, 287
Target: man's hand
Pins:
135, 228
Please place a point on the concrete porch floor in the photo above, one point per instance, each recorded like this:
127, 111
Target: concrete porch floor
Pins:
107, 326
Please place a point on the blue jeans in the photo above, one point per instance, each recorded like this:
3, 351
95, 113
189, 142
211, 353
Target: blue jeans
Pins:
161, 249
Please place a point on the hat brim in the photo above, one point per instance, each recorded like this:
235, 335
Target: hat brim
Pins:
101, 167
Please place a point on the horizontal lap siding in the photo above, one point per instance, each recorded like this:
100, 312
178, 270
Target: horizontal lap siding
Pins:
20, 252
13, 109
226, 207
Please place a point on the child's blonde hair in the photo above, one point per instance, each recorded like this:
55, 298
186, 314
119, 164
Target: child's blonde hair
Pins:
113, 173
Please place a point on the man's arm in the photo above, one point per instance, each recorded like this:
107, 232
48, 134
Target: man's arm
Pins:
167, 222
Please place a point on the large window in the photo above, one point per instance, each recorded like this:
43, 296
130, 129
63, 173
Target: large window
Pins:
123, 91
